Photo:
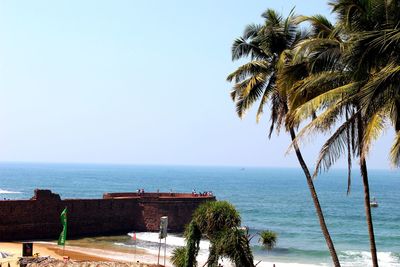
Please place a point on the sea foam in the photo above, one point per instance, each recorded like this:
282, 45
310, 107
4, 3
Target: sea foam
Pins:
179, 241
2, 191
172, 239
352, 258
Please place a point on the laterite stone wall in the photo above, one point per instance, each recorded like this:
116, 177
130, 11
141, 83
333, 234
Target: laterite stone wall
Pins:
119, 213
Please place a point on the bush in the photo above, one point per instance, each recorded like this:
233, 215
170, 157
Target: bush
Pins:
178, 257
214, 216
268, 239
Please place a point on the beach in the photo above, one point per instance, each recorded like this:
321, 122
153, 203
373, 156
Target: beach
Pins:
103, 254
282, 206
75, 253
263, 133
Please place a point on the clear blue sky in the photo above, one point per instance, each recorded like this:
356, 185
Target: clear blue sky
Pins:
137, 82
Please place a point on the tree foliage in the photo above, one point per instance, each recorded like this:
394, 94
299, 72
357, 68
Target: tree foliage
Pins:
341, 79
352, 85
268, 239
276, 64
178, 256
219, 222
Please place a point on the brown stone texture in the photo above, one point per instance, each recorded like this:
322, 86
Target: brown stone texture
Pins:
118, 213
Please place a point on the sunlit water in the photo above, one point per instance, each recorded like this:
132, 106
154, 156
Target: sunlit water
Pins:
275, 199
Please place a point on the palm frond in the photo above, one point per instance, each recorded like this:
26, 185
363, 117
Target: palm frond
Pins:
381, 40
354, 14
334, 147
193, 236
338, 96
242, 48
272, 18
381, 87
322, 123
373, 130
278, 112
314, 85
321, 26
395, 151
248, 92
323, 54
308, 46
178, 256
394, 112
252, 68
290, 74
251, 31
269, 88
235, 245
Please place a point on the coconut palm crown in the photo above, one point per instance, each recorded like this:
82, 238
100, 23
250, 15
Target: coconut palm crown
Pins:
269, 48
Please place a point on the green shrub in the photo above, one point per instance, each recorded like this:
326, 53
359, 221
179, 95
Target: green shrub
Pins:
268, 239
178, 257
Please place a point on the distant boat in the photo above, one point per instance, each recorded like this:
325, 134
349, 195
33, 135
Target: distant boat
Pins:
242, 169
373, 203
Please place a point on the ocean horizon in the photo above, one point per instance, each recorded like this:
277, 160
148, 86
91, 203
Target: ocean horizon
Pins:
267, 198
127, 164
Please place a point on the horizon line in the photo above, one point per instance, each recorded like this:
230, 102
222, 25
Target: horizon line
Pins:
176, 165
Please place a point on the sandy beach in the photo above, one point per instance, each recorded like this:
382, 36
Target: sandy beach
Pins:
76, 253
104, 254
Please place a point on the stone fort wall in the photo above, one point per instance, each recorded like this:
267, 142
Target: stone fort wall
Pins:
119, 213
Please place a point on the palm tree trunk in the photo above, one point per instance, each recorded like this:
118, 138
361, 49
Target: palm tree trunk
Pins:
364, 174
367, 200
314, 196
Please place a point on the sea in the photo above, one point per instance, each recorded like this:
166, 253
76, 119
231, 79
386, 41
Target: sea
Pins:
274, 199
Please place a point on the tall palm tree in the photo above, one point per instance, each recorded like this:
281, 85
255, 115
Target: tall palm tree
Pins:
333, 88
333, 92
268, 47
319, 60
363, 82
371, 27
376, 51
376, 47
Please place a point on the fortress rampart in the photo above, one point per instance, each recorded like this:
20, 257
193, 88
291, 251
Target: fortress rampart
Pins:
115, 213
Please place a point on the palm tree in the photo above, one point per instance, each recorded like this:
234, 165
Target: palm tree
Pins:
268, 239
362, 84
219, 222
333, 88
178, 257
334, 91
268, 47
376, 51
374, 34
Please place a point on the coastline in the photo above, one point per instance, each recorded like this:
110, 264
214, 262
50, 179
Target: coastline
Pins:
299, 241
101, 253
76, 253
89, 250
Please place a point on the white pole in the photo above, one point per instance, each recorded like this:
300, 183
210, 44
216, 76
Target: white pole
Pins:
158, 258
165, 249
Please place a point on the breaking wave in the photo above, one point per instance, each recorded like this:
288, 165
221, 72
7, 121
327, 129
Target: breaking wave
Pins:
352, 258
2, 191
149, 242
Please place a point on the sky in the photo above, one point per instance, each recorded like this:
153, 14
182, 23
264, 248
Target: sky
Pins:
135, 82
